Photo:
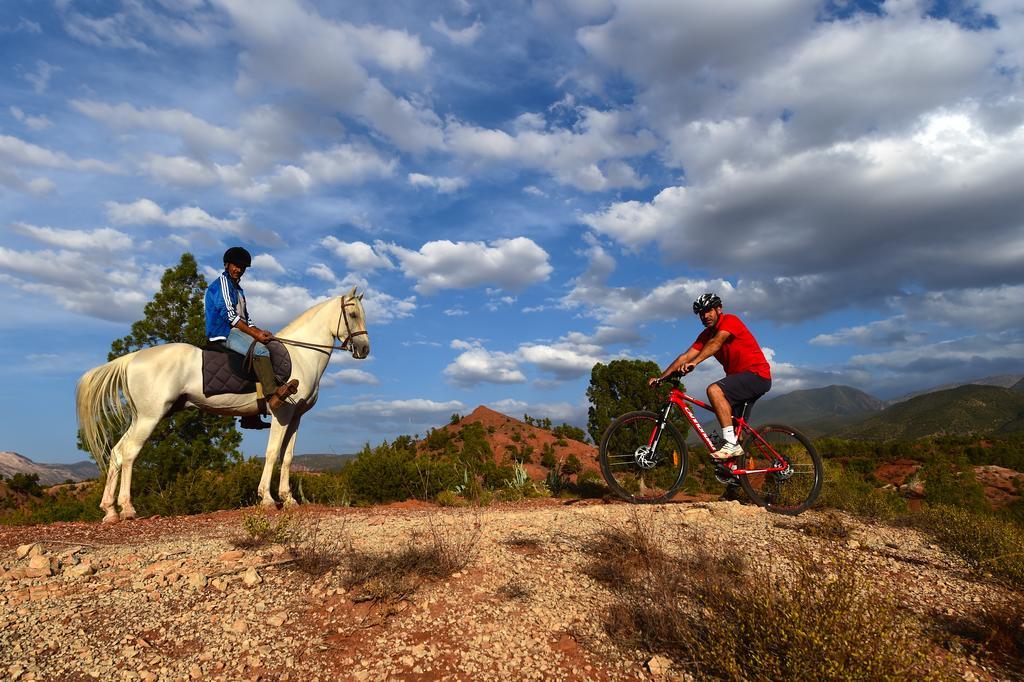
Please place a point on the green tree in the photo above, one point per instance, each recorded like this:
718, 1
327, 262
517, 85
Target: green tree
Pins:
189, 439
620, 387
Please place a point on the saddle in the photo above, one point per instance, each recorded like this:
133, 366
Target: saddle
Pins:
225, 371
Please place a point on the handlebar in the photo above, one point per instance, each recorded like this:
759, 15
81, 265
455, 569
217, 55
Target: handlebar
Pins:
672, 378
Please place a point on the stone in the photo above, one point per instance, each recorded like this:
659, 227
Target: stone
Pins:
239, 626
196, 581
233, 555
39, 567
251, 578
80, 571
24, 550
277, 620
659, 666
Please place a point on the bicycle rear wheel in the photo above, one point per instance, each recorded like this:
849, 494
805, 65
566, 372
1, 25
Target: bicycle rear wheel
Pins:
634, 471
792, 490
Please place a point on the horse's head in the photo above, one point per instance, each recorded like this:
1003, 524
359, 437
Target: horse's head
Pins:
351, 329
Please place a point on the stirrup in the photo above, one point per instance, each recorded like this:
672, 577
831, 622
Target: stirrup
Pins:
253, 421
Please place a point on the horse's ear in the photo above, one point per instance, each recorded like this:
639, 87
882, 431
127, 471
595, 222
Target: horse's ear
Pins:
360, 296
351, 293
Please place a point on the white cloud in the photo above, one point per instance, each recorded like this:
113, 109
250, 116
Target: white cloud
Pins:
31, 122
331, 65
558, 413
104, 285
266, 263
894, 331
40, 77
588, 156
21, 153
358, 256
413, 413
441, 184
462, 36
475, 364
148, 212
197, 134
103, 239
348, 376
508, 263
563, 360
323, 272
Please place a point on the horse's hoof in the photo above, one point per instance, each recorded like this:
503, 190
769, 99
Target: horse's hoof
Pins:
268, 504
111, 517
290, 502
127, 514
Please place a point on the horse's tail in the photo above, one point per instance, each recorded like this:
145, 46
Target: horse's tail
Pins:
104, 406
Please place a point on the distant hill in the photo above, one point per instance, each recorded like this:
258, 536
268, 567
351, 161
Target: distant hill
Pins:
49, 474
505, 433
967, 409
1001, 380
1019, 386
818, 411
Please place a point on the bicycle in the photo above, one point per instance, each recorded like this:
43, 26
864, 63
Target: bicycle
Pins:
644, 459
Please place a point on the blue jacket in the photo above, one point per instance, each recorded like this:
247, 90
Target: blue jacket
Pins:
225, 306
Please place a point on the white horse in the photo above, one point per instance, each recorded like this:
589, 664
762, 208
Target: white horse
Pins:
141, 388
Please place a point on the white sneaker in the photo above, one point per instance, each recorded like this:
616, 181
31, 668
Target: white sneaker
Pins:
727, 451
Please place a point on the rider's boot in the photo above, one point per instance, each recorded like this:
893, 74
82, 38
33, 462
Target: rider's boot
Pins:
276, 395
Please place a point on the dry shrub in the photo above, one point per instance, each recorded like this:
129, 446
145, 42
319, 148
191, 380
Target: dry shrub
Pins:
994, 633
793, 617
315, 552
394, 576
524, 544
514, 590
988, 543
263, 527
622, 554
828, 526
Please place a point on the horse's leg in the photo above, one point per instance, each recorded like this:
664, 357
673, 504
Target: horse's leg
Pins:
274, 442
113, 472
127, 450
284, 490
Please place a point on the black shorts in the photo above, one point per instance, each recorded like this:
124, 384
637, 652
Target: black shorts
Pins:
744, 389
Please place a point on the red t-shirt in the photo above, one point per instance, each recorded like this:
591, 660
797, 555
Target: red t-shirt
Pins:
741, 353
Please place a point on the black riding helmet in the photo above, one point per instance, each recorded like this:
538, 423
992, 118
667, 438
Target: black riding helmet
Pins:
706, 302
236, 255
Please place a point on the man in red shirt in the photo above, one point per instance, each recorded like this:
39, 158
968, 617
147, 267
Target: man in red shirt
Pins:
747, 374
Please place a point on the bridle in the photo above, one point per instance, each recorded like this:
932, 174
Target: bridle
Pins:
345, 344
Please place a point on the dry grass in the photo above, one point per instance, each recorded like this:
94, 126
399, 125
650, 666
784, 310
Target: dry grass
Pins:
394, 576
994, 633
828, 526
796, 616
524, 544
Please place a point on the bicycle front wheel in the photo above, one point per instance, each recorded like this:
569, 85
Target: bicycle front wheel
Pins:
632, 468
791, 490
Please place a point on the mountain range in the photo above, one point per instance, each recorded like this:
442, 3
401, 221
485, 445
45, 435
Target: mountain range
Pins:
49, 474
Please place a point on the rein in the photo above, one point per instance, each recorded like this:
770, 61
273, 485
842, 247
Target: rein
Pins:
326, 348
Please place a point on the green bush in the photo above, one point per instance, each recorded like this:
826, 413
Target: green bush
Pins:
986, 542
27, 484
849, 492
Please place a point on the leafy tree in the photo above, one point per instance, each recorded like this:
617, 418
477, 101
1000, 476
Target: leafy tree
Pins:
620, 387
25, 483
571, 432
189, 439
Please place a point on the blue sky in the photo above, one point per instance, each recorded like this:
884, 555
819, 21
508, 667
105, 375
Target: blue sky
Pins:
521, 189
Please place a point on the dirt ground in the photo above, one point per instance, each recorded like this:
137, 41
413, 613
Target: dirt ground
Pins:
177, 599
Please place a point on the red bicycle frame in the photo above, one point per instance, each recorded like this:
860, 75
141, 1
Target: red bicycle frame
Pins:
679, 399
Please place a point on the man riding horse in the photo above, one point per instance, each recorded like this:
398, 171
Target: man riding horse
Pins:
228, 323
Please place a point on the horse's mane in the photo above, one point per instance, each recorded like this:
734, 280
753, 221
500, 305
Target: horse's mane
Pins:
306, 316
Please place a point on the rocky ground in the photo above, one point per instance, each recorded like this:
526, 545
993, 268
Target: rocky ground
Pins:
178, 599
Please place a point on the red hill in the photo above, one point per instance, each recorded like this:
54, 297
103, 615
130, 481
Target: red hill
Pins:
506, 434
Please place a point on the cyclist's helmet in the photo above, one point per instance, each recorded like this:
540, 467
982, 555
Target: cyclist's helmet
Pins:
706, 302
236, 255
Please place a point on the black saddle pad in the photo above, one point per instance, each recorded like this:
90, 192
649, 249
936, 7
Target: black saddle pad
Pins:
224, 370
